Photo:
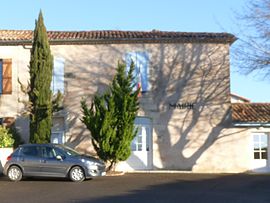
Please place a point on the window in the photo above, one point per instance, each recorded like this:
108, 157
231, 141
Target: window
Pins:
141, 142
58, 76
136, 144
58, 137
141, 72
5, 76
260, 145
48, 152
30, 151
51, 153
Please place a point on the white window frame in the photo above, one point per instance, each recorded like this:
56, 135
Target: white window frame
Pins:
260, 145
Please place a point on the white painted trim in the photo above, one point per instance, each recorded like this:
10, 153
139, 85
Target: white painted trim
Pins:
251, 124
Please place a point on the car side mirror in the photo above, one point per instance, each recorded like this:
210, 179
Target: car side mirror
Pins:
58, 157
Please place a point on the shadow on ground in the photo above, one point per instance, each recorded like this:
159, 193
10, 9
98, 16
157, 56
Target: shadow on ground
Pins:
142, 188
240, 188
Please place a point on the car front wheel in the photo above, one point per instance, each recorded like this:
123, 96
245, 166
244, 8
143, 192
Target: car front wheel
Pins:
76, 174
14, 173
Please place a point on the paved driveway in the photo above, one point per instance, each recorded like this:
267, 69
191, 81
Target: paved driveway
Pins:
151, 188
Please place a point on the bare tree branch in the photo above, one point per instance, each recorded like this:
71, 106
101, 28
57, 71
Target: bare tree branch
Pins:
252, 51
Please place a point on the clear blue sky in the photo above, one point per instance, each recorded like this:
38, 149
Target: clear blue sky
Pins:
166, 15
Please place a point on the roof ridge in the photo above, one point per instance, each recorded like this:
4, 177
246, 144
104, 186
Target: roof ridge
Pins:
13, 37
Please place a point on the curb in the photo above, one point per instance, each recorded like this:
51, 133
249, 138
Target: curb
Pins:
116, 173
160, 171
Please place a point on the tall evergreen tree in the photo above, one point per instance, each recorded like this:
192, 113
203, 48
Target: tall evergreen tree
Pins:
41, 64
110, 119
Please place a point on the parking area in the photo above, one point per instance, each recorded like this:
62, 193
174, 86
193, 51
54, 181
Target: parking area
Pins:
142, 187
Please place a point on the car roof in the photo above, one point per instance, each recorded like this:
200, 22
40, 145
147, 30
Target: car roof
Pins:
45, 144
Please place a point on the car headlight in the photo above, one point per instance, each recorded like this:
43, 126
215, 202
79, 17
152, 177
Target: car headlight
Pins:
92, 165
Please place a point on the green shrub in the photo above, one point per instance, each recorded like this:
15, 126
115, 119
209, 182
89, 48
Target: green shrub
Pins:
6, 139
15, 135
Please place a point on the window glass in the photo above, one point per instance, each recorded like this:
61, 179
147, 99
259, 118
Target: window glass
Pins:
139, 147
264, 142
256, 138
260, 145
48, 152
58, 76
59, 152
142, 140
68, 151
30, 151
141, 70
256, 155
256, 146
264, 155
133, 145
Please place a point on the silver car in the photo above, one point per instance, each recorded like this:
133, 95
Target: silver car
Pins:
51, 160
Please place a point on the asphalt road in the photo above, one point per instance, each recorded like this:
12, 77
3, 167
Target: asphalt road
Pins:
139, 188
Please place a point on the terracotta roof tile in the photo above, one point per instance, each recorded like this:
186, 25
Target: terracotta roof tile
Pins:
11, 37
251, 112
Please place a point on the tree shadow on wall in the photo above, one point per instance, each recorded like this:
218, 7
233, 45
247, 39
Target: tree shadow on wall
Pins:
179, 73
85, 75
196, 74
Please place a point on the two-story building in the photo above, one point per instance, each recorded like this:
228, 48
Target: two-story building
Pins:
185, 117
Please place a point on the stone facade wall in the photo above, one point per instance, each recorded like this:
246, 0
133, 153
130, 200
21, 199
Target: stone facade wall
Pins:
188, 100
199, 139
9, 105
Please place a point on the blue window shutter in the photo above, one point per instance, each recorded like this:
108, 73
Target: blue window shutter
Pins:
132, 56
1, 76
142, 66
141, 72
58, 76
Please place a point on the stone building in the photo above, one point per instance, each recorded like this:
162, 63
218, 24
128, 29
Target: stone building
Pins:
185, 119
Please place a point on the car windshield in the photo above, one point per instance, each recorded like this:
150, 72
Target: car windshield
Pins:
69, 151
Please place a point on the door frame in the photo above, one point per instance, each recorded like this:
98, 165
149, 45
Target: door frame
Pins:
143, 120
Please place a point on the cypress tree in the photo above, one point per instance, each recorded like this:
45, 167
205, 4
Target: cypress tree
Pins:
110, 119
40, 95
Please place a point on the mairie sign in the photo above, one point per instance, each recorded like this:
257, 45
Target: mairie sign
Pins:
187, 105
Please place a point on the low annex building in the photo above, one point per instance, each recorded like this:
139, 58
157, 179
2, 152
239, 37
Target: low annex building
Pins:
186, 120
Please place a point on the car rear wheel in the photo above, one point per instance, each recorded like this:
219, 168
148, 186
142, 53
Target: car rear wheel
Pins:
14, 173
76, 174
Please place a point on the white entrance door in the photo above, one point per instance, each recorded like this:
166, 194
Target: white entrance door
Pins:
141, 146
260, 161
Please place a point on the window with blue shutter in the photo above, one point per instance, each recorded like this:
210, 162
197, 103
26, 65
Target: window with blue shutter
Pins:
58, 76
141, 72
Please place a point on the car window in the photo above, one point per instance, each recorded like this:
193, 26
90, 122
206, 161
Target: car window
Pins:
69, 151
48, 152
51, 153
16, 152
30, 151
59, 152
